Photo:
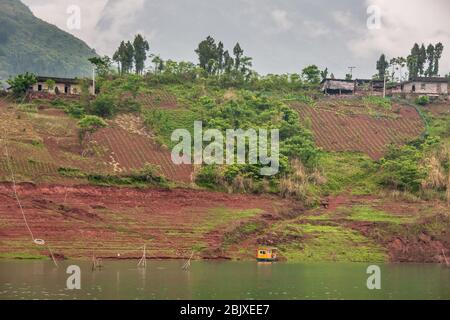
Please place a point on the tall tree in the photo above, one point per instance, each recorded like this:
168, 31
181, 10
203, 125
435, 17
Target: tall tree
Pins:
206, 51
382, 65
118, 57
421, 60
430, 60
412, 61
228, 62
220, 57
238, 53
140, 49
324, 74
128, 58
438, 49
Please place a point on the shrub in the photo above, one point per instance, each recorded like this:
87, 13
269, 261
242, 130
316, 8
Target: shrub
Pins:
423, 100
103, 106
90, 124
75, 110
21, 83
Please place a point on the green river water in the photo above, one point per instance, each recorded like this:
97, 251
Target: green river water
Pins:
221, 280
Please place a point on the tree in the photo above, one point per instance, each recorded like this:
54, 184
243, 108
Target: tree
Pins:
158, 63
413, 61
238, 53
324, 74
438, 49
102, 64
382, 65
22, 83
421, 60
311, 74
128, 58
50, 84
207, 51
119, 57
140, 49
220, 57
397, 64
348, 76
430, 60
228, 62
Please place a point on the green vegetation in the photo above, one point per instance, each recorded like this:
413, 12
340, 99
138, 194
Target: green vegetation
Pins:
368, 214
147, 176
328, 243
378, 101
22, 256
221, 217
423, 100
90, 124
21, 83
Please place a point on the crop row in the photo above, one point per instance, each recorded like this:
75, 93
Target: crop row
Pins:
337, 132
133, 151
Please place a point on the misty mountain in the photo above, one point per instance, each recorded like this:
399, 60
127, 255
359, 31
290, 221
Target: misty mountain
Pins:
28, 43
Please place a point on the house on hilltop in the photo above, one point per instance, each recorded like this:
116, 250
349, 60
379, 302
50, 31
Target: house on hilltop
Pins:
54, 85
337, 86
431, 86
343, 86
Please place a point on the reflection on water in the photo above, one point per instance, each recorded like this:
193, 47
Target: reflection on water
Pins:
221, 280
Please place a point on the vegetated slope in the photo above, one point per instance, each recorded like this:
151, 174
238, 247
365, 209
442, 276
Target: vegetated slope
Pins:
116, 222
360, 229
131, 151
28, 44
42, 142
346, 128
158, 99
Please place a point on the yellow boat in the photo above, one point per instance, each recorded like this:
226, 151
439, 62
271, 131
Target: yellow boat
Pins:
267, 254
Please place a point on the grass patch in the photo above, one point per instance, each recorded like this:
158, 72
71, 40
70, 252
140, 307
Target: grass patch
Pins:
331, 243
384, 103
363, 213
163, 122
348, 171
222, 216
242, 232
22, 256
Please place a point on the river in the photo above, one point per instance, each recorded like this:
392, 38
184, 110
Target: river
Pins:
221, 280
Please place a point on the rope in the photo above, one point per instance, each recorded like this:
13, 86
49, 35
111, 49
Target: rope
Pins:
8, 164
16, 195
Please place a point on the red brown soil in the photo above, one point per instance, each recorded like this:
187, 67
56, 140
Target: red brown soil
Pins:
132, 151
116, 222
335, 131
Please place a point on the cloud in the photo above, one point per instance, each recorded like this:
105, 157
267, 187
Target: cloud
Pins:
404, 22
103, 22
281, 19
281, 36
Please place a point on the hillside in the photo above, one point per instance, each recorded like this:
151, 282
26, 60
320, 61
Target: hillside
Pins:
28, 44
339, 209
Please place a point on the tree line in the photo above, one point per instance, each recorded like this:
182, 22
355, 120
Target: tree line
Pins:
421, 62
132, 55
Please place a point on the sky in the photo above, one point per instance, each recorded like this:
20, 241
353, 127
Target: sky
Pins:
282, 36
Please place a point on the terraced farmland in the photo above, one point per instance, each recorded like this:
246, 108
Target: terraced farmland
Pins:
336, 131
128, 151
159, 99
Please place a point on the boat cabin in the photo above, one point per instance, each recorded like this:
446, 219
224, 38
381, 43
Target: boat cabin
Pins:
266, 254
